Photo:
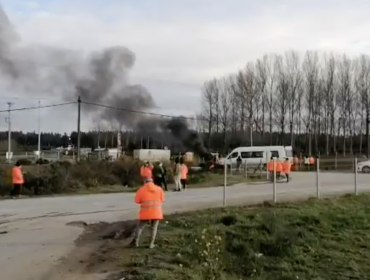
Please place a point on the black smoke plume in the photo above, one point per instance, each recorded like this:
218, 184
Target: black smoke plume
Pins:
99, 77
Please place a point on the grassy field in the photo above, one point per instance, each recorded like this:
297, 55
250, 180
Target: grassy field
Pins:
325, 239
210, 180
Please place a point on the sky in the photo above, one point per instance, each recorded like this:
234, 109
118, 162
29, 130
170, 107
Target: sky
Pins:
179, 44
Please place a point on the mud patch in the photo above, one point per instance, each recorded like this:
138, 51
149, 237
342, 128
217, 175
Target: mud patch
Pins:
95, 255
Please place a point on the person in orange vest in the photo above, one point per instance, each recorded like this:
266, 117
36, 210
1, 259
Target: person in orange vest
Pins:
279, 169
17, 180
311, 160
296, 163
146, 171
270, 168
150, 198
286, 169
184, 174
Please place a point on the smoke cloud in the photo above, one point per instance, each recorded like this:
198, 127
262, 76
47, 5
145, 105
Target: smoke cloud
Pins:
99, 77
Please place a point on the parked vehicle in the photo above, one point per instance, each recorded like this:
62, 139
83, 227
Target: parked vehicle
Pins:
363, 166
257, 155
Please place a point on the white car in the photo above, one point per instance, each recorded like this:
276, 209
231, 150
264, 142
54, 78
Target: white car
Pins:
363, 166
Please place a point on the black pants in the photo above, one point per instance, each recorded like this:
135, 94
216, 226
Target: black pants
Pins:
160, 181
16, 191
183, 183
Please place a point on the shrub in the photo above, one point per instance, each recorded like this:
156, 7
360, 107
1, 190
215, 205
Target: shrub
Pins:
42, 161
207, 249
24, 161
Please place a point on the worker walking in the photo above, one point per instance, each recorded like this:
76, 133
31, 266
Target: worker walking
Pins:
17, 180
150, 198
270, 168
177, 175
279, 169
146, 171
184, 174
159, 175
286, 169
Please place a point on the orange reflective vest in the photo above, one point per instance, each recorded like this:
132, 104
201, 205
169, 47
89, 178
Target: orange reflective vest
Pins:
150, 197
286, 167
270, 166
311, 160
279, 166
17, 176
146, 171
184, 172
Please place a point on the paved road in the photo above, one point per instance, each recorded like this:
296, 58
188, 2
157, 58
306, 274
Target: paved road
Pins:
38, 236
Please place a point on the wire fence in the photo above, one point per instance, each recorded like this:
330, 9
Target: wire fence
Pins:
326, 177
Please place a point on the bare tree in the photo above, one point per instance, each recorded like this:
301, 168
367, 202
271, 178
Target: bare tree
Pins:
261, 76
362, 84
282, 98
294, 77
271, 74
329, 99
345, 97
324, 102
208, 100
311, 72
225, 91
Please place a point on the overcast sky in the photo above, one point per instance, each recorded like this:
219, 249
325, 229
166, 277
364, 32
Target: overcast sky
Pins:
181, 43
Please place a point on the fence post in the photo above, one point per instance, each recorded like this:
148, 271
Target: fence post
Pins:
317, 178
336, 161
356, 190
246, 169
261, 169
274, 181
225, 184
267, 171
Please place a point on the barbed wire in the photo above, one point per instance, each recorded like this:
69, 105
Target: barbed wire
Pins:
141, 112
38, 107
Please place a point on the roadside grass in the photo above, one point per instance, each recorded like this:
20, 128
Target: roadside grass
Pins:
210, 180
316, 239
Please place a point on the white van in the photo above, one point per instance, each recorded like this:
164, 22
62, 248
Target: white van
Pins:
257, 155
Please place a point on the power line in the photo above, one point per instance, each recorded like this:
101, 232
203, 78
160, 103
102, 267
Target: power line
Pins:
37, 107
139, 112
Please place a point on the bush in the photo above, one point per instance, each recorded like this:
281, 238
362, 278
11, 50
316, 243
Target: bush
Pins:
64, 177
42, 161
24, 161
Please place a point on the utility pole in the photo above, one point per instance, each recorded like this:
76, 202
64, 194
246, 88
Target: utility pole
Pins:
78, 128
9, 132
39, 133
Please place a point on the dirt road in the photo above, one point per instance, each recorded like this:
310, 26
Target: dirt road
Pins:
37, 235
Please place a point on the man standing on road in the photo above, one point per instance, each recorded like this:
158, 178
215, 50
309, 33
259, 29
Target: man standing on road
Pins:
286, 169
17, 180
159, 175
177, 175
184, 174
146, 171
270, 168
150, 197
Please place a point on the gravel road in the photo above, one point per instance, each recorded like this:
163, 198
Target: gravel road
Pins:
37, 235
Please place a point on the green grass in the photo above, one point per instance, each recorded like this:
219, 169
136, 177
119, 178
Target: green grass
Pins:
325, 239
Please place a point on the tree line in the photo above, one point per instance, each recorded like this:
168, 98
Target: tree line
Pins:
318, 103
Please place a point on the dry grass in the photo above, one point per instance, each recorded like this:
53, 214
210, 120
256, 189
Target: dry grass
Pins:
326, 239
